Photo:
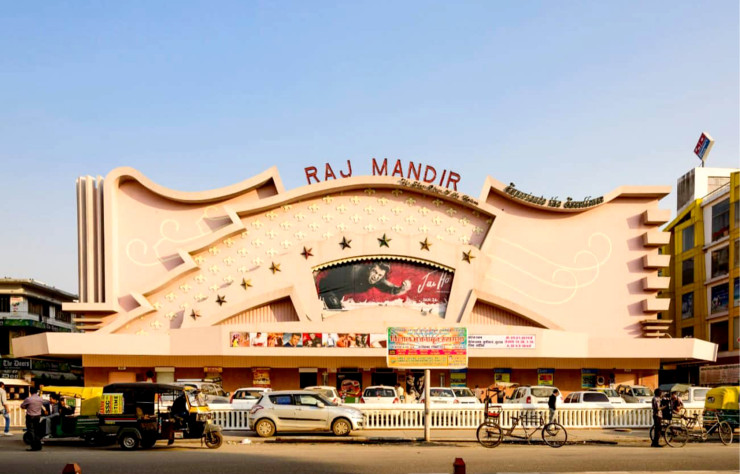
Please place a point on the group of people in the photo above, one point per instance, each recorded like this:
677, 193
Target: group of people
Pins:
663, 410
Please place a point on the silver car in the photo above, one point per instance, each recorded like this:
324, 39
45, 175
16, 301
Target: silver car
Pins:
301, 410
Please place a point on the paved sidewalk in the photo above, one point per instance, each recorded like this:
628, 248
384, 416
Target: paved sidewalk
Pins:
633, 437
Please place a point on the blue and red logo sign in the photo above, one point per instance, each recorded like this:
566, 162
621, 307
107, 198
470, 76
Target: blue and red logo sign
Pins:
703, 145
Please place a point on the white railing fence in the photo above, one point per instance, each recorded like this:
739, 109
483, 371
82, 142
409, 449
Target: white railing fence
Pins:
411, 416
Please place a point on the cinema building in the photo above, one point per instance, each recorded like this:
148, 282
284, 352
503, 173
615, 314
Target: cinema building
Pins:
260, 285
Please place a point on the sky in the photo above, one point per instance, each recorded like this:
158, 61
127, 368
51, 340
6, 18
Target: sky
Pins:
563, 98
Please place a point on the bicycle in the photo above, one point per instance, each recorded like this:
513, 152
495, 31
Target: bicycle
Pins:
674, 433
702, 433
490, 433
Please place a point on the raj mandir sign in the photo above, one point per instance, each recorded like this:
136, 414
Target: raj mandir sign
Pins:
417, 171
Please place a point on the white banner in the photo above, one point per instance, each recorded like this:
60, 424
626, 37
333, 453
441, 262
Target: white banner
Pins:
480, 341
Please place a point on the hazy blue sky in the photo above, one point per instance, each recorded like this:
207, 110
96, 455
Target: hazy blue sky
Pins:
563, 98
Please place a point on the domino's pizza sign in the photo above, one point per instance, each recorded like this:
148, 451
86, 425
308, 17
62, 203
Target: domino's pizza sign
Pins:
703, 146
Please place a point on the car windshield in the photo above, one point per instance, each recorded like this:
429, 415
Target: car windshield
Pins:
542, 392
642, 392
463, 392
324, 392
438, 392
610, 392
248, 394
196, 398
379, 392
595, 397
327, 401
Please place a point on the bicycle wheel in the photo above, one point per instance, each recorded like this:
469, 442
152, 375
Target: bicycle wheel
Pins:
489, 436
554, 435
676, 436
661, 440
725, 432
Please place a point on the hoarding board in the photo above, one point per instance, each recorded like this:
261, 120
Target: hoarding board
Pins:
427, 348
703, 146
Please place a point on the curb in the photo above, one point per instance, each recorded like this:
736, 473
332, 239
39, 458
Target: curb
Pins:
381, 440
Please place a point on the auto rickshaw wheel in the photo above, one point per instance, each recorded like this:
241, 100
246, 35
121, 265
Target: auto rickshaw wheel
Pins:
93, 439
129, 441
214, 439
265, 428
341, 427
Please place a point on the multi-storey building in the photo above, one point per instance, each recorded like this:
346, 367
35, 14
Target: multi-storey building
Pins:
705, 278
30, 307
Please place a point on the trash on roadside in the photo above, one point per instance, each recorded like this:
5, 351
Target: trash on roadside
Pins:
246, 441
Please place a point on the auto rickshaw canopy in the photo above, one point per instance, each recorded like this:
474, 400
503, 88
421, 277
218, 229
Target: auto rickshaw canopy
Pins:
723, 398
89, 396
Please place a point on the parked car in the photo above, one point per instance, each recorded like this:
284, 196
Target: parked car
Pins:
635, 393
245, 398
531, 394
611, 394
379, 394
327, 391
301, 410
451, 395
589, 398
692, 396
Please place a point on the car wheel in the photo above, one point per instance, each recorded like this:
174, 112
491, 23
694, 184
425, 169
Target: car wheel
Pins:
129, 442
264, 428
341, 427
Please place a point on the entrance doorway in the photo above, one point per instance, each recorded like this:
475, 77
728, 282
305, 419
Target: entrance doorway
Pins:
384, 377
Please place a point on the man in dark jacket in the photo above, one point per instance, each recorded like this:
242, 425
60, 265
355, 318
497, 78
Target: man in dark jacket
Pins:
657, 418
34, 406
552, 404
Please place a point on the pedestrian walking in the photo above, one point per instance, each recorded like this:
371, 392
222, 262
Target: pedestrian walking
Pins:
399, 393
657, 418
34, 406
552, 404
5, 409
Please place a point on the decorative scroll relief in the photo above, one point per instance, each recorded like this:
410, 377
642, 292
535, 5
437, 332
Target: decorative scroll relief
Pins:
141, 253
564, 279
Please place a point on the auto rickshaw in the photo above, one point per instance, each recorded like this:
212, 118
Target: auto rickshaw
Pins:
139, 414
722, 402
78, 415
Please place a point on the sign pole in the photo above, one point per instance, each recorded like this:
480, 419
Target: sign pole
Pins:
427, 408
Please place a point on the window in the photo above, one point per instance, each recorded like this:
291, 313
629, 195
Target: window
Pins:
736, 291
5, 302
687, 238
687, 271
718, 335
595, 397
687, 306
735, 258
281, 399
736, 331
720, 220
720, 298
687, 332
720, 262
307, 400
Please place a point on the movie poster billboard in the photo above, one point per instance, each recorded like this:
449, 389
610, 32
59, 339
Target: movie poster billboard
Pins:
545, 376
384, 282
239, 339
261, 378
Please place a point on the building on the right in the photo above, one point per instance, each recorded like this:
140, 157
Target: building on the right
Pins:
705, 269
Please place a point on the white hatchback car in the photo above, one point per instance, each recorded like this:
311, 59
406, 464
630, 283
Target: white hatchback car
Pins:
611, 394
589, 399
451, 395
379, 394
245, 398
301, 410
328, 392
532, 394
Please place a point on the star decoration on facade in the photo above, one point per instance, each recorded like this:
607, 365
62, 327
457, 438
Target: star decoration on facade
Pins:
327, 217
286, 225
437, 202
383, 219
370, 191
242, 252
396, 192
246, 284
271, 215
155, 324
423, 229
397, 210
287, 207
195, 314
245, 234
423, 211
437, 220
355, 200
468, 256
425, 244
327, 235
257, 224
299, 217
341, 208
274, 268
369, 227
382, 201
397, 228
258, 261
171, 315
220, 300
157, 305
170, 297
383, 241
229, 260
242, 269
199, 259
345, 243
355, 218
213, 250
271, 234
271, 252
314, 208
200, 278
451, 212
464, 221
410, 201
214, 269
300, 235
200, 297
286, 243
213, 287
228, 242
327, 199
229, 279
306, 253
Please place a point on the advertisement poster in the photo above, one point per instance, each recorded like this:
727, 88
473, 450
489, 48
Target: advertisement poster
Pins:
15, 303
275, 339
261, 377
687, 305
502, 375
239, 339
349, 385
312, 339
736, 291
414, 384
720, 298
509, 341
258, 339
384, 282
428, 348
292, 339
459, 378
588, 378
111, 404
545, 376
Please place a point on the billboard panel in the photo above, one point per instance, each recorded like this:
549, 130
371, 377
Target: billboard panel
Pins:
428, 348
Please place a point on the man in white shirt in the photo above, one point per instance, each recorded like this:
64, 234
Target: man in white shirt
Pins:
5, 409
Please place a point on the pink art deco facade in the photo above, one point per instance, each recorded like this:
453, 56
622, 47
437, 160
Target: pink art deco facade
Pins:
190, 284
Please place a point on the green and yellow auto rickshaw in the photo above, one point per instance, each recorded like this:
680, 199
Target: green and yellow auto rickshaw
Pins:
723, 403
140, 414
77, 415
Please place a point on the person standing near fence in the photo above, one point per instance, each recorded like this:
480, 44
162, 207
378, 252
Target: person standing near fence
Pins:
5, 409
552, 404
34, 406
657, 418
